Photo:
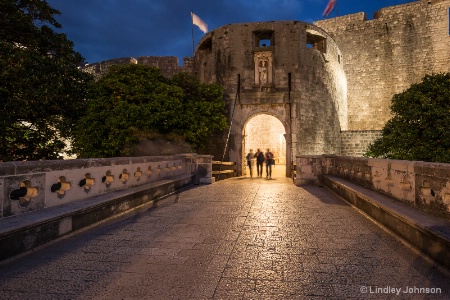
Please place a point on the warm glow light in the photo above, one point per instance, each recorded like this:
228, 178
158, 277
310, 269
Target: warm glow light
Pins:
342, 86
265, 131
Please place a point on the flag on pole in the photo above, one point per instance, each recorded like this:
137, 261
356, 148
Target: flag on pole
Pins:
329, 7
197, 21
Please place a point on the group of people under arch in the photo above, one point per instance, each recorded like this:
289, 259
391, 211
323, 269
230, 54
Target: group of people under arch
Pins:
261, 158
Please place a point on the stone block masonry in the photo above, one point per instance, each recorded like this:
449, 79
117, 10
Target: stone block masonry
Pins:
355, 143
384, 56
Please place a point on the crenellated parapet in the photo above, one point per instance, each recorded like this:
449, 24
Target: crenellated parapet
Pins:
99, 69
168, 65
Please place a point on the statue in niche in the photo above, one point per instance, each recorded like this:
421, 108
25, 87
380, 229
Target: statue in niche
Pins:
263, 71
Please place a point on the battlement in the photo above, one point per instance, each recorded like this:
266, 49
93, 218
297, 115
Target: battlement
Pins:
100, 68
167, 64
342, 21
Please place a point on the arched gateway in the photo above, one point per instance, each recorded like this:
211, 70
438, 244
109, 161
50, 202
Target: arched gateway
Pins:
263, 131
289, 70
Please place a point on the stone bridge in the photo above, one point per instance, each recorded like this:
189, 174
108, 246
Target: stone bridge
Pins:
64, 196
163, 231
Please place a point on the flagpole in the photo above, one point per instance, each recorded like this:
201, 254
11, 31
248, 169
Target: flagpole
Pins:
192, 25
337, 7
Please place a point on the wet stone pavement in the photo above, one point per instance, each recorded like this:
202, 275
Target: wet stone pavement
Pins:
241, 238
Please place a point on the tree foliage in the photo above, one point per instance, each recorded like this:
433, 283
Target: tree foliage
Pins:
41, 88
203, 110
133, 102
420, 127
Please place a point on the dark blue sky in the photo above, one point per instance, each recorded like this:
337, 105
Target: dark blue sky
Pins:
109, 29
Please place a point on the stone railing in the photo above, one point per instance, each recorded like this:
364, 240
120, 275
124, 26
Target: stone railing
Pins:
31, 186
420, 184
223, 170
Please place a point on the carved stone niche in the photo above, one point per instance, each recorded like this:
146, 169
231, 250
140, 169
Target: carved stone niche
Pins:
263, 69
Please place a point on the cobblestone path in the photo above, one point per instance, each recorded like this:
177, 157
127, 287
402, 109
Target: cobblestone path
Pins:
241, 238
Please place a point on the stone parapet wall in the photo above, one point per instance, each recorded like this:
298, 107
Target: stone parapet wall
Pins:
167, 64
422, 185
100, 68
355, 143
31, 186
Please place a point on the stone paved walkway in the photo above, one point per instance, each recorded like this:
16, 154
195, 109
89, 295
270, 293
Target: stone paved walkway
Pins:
242, 238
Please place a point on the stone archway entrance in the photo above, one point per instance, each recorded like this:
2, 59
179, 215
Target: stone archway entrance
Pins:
265, 131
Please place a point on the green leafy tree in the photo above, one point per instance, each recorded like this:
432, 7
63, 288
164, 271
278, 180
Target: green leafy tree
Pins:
42, 90
127, 103
203, 110
135, 102
420, 127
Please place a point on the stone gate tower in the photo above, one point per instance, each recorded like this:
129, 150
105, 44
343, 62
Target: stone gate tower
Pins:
290, 70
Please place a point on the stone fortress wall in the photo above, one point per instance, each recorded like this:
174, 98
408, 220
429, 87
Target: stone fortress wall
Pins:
384, 56
343, 72
168, 65
330, 83
355, 142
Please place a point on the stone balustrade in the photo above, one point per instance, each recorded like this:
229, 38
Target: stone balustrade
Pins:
35, 185
420, 184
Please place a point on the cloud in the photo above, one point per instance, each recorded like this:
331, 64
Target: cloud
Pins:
109, 29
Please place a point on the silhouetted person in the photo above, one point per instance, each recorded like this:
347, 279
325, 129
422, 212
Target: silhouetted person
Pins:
259, 162
249, 161
269, 162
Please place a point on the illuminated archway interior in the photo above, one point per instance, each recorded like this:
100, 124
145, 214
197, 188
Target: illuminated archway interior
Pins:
265, 131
